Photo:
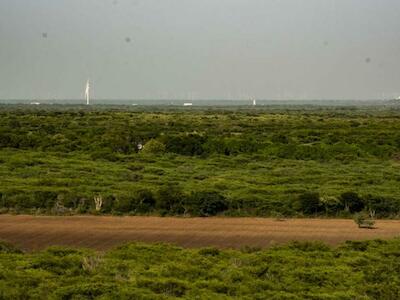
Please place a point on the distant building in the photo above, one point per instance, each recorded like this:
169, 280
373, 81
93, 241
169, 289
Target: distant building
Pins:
35, 103
188, 104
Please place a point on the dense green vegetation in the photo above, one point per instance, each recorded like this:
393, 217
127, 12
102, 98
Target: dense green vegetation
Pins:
273, 161
355, 270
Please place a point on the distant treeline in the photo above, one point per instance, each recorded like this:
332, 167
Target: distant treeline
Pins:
301, 136
173, 201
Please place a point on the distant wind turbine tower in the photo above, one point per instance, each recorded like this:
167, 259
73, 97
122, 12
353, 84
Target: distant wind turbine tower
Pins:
87, 92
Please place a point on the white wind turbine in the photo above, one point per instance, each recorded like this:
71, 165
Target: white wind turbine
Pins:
87, 92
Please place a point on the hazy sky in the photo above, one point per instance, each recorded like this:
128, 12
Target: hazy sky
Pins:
267, 49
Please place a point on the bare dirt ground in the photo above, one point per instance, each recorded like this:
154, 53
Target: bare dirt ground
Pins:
103, 232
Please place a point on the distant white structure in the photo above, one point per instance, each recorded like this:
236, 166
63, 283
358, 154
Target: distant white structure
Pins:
188, 104
35, 103
87, 92
254, 102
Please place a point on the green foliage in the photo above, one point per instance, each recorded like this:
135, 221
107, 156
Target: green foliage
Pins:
309, 203
352, 202
355, 270
188, 144
364, 220
170, 200
8, 248
270, 161
124, 204
169, 287
154, 147
209, 251
308, 246
104, 155
381, 206
206, 204
145, 201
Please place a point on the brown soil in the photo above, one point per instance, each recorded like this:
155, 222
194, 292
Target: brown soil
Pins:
104, 232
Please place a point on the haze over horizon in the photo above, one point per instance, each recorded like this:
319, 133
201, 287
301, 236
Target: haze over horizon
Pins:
226, 49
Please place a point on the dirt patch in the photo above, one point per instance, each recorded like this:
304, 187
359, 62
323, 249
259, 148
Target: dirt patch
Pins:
103, 232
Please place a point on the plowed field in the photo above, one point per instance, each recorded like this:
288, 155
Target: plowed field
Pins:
104, 232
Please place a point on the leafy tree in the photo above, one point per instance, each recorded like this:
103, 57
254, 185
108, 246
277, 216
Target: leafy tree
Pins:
44, 199
331, 204
309, 203
170, 199
108, 202
154, 147
381, 206
352, 202
124, 203
206, 203
188, 144
144, 201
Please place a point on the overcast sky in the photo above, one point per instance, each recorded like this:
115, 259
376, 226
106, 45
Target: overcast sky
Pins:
204, 49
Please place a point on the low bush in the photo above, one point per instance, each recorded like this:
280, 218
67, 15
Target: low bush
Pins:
364, 220
170, 199
206, 204
354, 270
8, 248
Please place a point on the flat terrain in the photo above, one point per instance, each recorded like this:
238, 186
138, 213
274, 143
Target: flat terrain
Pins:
104, 232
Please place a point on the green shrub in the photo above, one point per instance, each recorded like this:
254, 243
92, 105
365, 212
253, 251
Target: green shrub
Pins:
124, 203
363, 220
355, 270
308, 246
382, 206
169, 287
171, 199
206, 203
144, 201
332, 205
352, 202
209, 251
92, 290
309, 203
44, 199
188, 144
8, 248
104, 155
154, 147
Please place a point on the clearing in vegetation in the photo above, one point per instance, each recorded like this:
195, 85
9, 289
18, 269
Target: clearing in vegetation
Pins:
102, 233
